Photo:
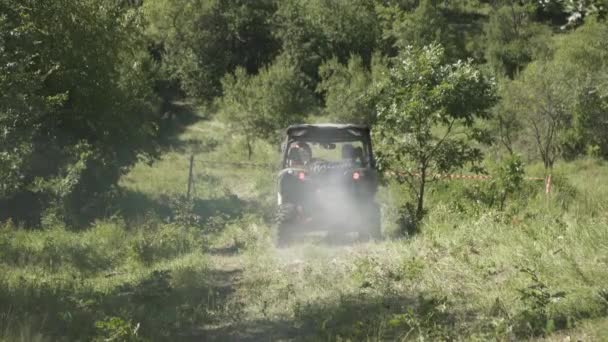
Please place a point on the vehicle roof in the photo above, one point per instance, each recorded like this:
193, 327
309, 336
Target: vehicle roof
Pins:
327, 126
328, 132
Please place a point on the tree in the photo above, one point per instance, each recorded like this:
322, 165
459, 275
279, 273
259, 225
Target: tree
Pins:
314, 31
506, 123
258, 106
421, 27
513, 39
578, 10
559, 106
348, 89
422, 22
539, 97
582, 59
427, 115
199, 41
76, 107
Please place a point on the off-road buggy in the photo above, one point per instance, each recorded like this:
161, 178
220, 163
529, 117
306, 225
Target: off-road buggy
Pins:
327, 182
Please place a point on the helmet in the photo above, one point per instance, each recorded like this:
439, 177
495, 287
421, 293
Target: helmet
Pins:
300, 153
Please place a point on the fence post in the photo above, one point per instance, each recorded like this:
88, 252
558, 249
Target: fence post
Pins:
548, 184
190, 177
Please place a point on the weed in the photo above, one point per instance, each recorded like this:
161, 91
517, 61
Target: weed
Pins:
537, 297
117, 329
174, 267
184, 214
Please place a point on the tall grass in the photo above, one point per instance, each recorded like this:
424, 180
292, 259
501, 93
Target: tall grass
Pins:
63, 282
474, 272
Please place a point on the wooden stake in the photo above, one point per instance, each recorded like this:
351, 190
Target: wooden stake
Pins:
190, 177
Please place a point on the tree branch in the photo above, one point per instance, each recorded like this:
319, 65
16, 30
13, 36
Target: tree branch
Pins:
447, 133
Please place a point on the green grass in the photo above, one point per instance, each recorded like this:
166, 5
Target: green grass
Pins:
63, 282
460, 278
207, 269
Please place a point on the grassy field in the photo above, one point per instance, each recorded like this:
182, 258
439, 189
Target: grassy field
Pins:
165, 268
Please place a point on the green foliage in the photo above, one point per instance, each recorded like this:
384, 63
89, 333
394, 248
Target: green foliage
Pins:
426, 117
508, 181
423, 26
558, 105
153, 244
117, 329
349, 90
187, 282
507, 125
577, 10
313, 31
259, 106
539, 98
586, 88
199, 41
430, 321
75, 112
538, 298
104, 283
513, 39
184, 213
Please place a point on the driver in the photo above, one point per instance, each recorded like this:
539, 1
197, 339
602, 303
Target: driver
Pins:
299, 154
358, 155
348, 153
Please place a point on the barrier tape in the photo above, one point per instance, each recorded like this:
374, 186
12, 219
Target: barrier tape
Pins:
457, 176
237, 164
390, 173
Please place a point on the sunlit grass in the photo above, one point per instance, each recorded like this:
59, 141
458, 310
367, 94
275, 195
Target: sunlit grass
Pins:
460, 277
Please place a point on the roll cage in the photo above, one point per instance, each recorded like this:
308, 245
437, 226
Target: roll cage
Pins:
327, 134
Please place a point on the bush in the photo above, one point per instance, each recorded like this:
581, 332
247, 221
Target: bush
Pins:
117, 329
507, 182
164, 241
63, 282
349, 89
102, 247
259, 106
537, 297
71, 128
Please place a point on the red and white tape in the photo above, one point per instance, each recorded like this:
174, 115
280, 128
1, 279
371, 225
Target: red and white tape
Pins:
458, 176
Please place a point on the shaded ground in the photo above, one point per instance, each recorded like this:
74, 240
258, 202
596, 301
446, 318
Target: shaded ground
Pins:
314, 291
226, 278
277, 318
445, 285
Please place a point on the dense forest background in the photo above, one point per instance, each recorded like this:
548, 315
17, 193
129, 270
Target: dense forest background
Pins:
139, 148
86, 87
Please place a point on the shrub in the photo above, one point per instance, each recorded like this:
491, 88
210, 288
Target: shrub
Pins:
537, 297
164, 241
70, 128
259, 106
66, 281
349, 89
117, 329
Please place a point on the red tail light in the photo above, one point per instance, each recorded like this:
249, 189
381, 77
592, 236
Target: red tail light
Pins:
301, 176
356, 175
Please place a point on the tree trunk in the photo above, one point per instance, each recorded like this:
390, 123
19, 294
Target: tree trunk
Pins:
548, 163
249, 149
420, 208
503, 199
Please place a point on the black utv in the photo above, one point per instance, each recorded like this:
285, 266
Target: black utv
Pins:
327, 182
